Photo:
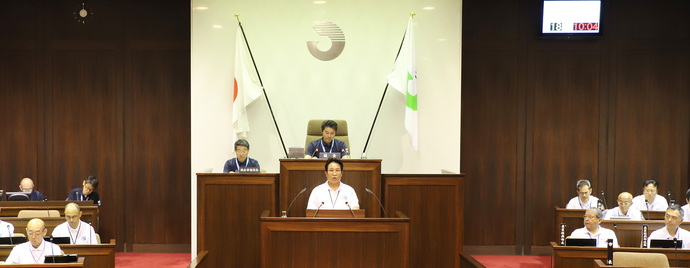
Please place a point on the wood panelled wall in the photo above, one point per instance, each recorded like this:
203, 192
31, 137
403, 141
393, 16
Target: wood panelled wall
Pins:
537, 114
109, 97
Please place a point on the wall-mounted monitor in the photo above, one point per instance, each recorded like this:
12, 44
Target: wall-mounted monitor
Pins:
571, 18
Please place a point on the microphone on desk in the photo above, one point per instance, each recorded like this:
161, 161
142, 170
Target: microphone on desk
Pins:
646, 202
615, 229
604, 198
675, 246
317, 209
316, 152
377, 199
45, 198
348, 205
671, 202
10, 234
293, 201
52, 250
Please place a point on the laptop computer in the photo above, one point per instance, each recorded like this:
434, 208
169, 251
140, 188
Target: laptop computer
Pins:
296, 152
61, 258
323, 155
581, 242
12, 240
664, 243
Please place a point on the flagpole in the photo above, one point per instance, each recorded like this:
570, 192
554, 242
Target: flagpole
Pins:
364, 152
262, 84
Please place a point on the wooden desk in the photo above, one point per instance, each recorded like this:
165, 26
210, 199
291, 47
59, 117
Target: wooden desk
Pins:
79, 263
577, 257
296, 174
89, 211
96, 256
229, 207
337, 213
20, 223
326, 242
573, 220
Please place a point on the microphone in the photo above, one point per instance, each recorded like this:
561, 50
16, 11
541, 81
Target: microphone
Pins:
45, 198
377, 199
615, 229
604, 198
675, 246
646, 202
10, 234
293, 201
317, 209
316, 152
671, 201
348, 205
52, 250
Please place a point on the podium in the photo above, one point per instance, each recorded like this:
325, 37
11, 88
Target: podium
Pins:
334, 242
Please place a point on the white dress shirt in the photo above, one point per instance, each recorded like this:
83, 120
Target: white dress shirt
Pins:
25, 253
601, 236
6, 229
333, 199
686, 212
659, 203
575, 203
681, 234
84, 234
633, 214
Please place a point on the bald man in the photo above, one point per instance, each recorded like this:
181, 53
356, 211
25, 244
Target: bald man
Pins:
36, 249
624, 209
6, 229
27, 186
78, 231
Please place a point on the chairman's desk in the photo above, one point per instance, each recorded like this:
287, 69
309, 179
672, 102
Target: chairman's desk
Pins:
573, 219
578, 257
334, 242
97, 256
89, 210
229, 207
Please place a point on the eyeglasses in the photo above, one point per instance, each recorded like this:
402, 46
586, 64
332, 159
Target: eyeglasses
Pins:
241, 152
624, 203
334, 171
589, 217
650, 191
584, 192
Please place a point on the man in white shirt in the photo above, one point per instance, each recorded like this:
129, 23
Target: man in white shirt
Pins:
672, 218
624, 209
592, 219
78, 231
686, 207
333, 194
36, 249
6, 229
650, 200
583, 200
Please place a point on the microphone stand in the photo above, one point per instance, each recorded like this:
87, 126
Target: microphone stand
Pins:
293, 201
348, 205
317, 209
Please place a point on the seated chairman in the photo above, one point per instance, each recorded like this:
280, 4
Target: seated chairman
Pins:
624, 209
650, 200
327, 143
242, 160
333, 194
592, 219
27, 186
87, 192
584, 198
78, 231
35, 250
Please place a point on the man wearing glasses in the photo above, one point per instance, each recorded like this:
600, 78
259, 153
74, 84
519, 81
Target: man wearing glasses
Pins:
592, 219
650, 200
672, 218
583, 200
333, 194
242, 160
27, 186
78, 231
36, 249
624, 209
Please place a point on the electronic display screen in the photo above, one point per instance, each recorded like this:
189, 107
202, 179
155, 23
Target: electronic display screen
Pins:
571, 17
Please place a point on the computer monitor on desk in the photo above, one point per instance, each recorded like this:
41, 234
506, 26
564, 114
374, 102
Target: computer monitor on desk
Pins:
18, 196
581, 242
665, 243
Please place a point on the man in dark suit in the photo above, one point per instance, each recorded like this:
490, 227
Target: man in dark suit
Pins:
27, 186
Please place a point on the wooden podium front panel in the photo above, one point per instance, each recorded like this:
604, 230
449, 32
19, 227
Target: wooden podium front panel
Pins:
435, 207
89, 210
229, 209
296, 174
320, 242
